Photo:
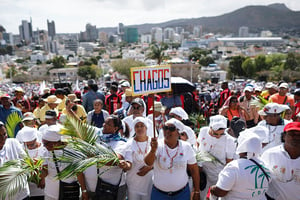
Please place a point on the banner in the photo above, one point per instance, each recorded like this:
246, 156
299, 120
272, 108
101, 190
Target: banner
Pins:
147, 80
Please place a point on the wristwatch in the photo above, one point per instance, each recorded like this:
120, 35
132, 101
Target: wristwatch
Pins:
84, 191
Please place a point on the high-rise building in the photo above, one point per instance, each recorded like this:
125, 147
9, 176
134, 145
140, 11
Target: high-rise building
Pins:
146, 38
71, 44
91, 32
179, 30
169, 34
25, 30
131, 35
156, 33
197, 32
121, 29
243, 31
103, 37
51, 29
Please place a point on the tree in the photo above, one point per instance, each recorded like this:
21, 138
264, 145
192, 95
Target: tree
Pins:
249, 67
291, 62
197, 53
260, 63
157, 52
59, 62
89, 72
206, 60
38, 62
235, 66
11, 72
123, 66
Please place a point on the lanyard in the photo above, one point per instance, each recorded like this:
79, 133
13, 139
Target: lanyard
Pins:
171, 158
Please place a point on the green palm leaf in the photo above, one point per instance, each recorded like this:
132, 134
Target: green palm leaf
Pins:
80, 155
15, 174
79, 129
12, 121
207, 157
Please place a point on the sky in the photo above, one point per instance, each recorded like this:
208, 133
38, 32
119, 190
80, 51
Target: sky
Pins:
71, 16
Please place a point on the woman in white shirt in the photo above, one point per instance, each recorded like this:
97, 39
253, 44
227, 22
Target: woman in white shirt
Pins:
171, 159
139, 177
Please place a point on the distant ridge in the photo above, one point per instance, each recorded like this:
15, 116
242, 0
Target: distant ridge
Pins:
275, 17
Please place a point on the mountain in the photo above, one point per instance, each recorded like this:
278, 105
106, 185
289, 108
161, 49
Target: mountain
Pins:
274, 17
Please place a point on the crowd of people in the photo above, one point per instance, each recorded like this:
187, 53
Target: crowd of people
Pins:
248, 149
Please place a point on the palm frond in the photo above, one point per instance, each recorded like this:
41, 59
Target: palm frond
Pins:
207, 157
12, 121
79, 129
260, 102
15, 174
81, 155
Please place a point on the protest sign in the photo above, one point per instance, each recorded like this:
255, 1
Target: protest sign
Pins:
147, 80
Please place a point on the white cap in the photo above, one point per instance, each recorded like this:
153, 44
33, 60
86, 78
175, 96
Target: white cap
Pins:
27, 134
250, 145
248, 88
180, 112
218, 122
125, 84
272, 108
284, 85
52, 134
140, 119
178, 124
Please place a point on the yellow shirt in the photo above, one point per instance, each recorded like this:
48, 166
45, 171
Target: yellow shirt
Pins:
62, 104
43, 112
80, 112
37, 112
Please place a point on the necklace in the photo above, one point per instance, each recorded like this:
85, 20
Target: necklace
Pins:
171, 158
140, 150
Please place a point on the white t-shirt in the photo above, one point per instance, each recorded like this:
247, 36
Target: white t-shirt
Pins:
51, 183
36, 153
285, 183
110, 174
222, 148
12, 150
274, 133
136, 152
172, 176
129, 121
242, 182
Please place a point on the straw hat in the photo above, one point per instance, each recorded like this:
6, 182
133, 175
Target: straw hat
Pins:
53, 99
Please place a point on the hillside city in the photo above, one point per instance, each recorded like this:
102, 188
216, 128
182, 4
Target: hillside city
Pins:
35, 55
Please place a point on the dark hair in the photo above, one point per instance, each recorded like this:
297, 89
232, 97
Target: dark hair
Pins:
117, 121
114, 88
94, 87
282, 137
126, 133
1, 124
233, 97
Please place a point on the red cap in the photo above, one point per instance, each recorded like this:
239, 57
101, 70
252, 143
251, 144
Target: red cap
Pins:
293, 126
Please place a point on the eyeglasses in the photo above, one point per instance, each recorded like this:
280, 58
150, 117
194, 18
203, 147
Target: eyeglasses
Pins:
170, 128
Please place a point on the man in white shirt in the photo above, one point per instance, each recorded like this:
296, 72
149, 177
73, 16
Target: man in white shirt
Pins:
218, 143
284, 163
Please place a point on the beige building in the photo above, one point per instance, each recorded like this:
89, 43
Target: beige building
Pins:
64, 74
188, 71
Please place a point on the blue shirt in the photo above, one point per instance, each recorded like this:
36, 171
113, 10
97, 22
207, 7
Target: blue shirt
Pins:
89, 98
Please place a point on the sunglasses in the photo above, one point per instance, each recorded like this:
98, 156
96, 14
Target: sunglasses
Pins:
216, 134
136, 107
170, 128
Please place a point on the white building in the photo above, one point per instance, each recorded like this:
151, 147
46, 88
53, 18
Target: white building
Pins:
133, 54
146, 38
